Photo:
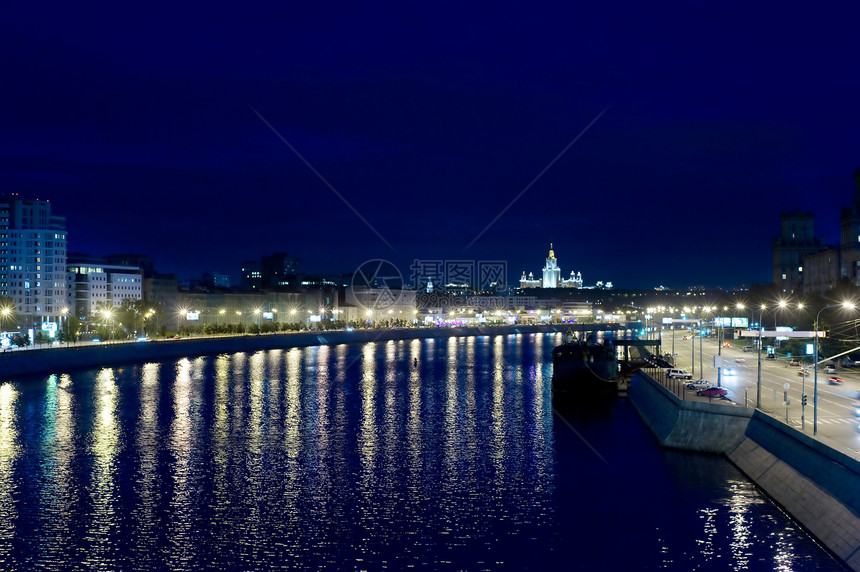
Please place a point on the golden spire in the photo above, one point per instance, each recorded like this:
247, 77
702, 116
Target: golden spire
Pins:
551, 253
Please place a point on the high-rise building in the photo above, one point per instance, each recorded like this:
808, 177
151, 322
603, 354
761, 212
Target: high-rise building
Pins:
551, 276
551, 271
796, 241
849, 230
33, 262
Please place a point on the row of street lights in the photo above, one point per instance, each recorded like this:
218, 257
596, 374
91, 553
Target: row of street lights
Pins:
784, 304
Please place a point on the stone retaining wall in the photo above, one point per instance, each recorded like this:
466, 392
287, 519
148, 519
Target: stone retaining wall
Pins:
689, 425
817, 485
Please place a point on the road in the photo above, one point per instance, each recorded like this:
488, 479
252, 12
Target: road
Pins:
837, 404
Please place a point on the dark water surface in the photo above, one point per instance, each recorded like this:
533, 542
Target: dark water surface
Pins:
352, 457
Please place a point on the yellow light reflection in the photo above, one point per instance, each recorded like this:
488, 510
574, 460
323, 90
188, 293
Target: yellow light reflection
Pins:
9, 451
104, 447
147, 446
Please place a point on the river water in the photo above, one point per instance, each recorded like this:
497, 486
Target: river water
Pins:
442, 454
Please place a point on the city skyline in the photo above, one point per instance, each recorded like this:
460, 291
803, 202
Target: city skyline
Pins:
648, 149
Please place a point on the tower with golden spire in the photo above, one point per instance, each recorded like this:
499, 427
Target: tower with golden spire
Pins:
551, 272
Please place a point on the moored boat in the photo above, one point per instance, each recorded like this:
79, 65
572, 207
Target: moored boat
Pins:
585, 366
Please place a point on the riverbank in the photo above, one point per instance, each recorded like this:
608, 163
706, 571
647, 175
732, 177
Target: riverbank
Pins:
816, 484
64, 359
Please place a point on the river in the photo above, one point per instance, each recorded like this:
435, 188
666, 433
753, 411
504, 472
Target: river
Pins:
435, 454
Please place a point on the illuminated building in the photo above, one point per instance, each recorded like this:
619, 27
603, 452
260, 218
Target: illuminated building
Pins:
551, 276
94, 285
32, 262
551, 271
530, 282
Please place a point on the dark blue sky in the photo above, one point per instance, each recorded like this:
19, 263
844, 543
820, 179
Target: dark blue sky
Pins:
430, 119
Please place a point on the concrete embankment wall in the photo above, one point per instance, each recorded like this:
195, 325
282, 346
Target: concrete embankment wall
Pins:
694, 426
817, 485
64, 359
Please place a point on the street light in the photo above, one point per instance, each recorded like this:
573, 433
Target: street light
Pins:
108, 315
758, 381
847, 306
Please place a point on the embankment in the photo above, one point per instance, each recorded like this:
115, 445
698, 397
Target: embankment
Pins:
816, 484
64, 359
690, 425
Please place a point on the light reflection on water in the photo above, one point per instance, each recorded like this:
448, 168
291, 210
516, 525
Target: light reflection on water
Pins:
421, 453
9, 451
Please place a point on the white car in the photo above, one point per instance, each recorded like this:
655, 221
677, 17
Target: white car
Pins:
699, 384
679, 373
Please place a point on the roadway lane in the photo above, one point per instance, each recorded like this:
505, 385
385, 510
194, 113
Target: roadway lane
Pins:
837, 404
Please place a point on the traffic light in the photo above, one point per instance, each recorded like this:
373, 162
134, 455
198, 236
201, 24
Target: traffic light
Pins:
803, 400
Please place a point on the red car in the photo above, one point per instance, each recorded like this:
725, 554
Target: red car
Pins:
836, 380
712, 392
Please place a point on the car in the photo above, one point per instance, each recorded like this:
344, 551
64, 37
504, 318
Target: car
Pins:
740, 360
673, 373
699, 384
727, 344
770, 356
748, 348
830, 369
728, 371
836, 380
794, 363
803, 371
712, 392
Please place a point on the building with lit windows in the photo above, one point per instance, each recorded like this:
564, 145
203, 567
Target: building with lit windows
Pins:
94, 285
33, 263
796, 241
551, 276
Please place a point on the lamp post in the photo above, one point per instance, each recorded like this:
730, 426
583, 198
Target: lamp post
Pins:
705, 310
692, 345
846, 305
758, 378
673, 338
108, 316
65, 314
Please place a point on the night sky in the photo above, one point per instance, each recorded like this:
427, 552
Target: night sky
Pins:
427, 121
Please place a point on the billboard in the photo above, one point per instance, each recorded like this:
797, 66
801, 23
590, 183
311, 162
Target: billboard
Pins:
722, 322
740, 322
